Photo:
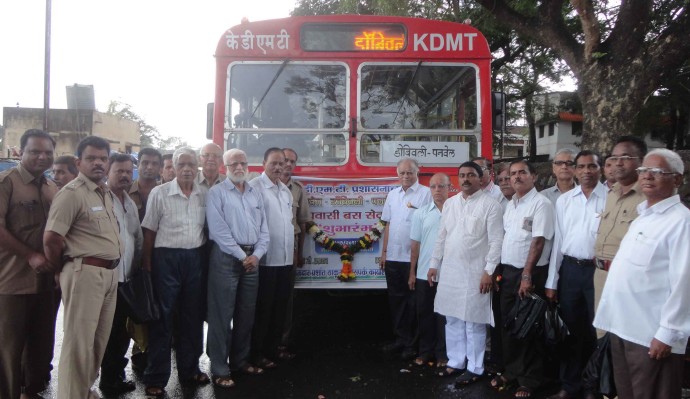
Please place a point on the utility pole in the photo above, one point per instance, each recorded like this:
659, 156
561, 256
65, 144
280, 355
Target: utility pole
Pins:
46, 68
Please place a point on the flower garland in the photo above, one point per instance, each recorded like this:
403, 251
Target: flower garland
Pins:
346, 252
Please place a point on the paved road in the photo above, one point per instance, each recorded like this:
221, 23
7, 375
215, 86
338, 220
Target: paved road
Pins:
338, 356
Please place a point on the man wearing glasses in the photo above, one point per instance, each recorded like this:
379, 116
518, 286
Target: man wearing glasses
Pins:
644, 303
564, 169
487, 178
211, 155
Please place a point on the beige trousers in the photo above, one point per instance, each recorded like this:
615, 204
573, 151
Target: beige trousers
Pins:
89, 295
599, 281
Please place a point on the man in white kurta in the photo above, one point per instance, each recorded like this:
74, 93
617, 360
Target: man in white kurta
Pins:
646, 298
467, 251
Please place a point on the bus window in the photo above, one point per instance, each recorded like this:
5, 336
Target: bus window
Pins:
312, 149
418, 96
286, 95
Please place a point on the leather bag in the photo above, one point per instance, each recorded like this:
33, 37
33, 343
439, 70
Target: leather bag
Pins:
138, 294
526, 316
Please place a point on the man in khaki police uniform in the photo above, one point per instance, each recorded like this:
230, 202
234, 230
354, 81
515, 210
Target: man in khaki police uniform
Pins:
83, 225
26, 283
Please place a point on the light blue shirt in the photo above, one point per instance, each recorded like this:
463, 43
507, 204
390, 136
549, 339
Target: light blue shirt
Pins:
425, 224
236, 218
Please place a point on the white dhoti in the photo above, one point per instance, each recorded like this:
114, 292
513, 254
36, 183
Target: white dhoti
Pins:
465, 344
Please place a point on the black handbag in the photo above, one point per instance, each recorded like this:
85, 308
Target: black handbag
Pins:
137, 293
597, 376
526, 316
555, 330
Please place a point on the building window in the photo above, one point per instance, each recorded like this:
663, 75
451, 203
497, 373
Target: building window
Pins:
541, 131
577, 129
552, 128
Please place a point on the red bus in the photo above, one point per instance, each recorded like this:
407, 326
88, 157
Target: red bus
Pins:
352, 95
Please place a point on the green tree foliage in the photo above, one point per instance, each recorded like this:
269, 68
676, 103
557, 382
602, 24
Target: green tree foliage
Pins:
149, 134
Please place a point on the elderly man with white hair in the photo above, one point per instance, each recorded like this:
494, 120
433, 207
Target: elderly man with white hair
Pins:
173, 240
563, 167
646, 299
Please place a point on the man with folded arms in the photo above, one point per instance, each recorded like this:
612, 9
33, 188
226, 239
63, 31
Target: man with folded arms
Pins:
467, 251
173, 240
571, 269
646, 298
237, 225
27, 325
83, 233
528, 223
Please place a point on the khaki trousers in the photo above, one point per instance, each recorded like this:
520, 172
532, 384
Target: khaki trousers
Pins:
89, 296
599, 281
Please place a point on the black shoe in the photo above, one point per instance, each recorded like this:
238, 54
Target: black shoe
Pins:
394, 347
408, 354
117, 386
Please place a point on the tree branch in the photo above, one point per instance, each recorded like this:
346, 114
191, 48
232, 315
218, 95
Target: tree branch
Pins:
628, 33
590, 26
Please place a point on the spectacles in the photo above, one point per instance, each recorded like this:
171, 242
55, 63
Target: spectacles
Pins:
441, 186
566, 163
624, 158
655, 172
234, 165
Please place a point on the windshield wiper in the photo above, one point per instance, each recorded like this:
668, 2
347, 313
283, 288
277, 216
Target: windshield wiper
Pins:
275, 77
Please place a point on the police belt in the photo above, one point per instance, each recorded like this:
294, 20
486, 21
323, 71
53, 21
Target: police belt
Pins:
98, 262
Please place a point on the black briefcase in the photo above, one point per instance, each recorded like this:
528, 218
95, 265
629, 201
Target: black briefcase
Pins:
137, 292
526, 316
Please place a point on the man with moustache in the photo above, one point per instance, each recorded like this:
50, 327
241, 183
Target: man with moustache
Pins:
571, 270
150, 161
173, 240
645, 302
488, 185
82, 240
168, 170
211, 155
423, 233
529, 227
398, 211
467, 251
120, 171
276, 265
64, 170
237, 225
564, 170
27, 327
301, 214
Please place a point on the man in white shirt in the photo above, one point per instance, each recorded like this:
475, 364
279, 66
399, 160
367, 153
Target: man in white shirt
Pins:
423, 233
564, 169
398, 210
529, 226
113, 365
173, 241
571, 269
237, 225
503, 180
488, 185
467, 251
646, 298
275, 267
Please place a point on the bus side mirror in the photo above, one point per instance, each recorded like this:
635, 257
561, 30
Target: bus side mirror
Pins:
498, 106
209, 121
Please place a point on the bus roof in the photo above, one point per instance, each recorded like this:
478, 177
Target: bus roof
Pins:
353, 36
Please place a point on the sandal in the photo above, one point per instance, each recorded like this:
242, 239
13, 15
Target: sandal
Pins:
251, 370
223, 382
285, 355
197, 379
500, 383
422, 360
467, 378
266, 364
441, 364
523, 392
448, 371
154, 391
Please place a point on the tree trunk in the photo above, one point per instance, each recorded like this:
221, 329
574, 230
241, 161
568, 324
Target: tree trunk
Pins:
531, 126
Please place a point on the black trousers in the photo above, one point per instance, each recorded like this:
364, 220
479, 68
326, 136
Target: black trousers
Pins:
402, 303
271, 308
114, 360
523, 358
576, 298
432, 326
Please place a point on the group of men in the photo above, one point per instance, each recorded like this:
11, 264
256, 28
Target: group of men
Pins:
457, 266
76, 238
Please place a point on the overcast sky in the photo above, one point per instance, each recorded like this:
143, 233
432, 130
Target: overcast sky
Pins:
155, 55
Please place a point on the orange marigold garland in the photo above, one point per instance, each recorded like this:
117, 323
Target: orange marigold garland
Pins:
346, 252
